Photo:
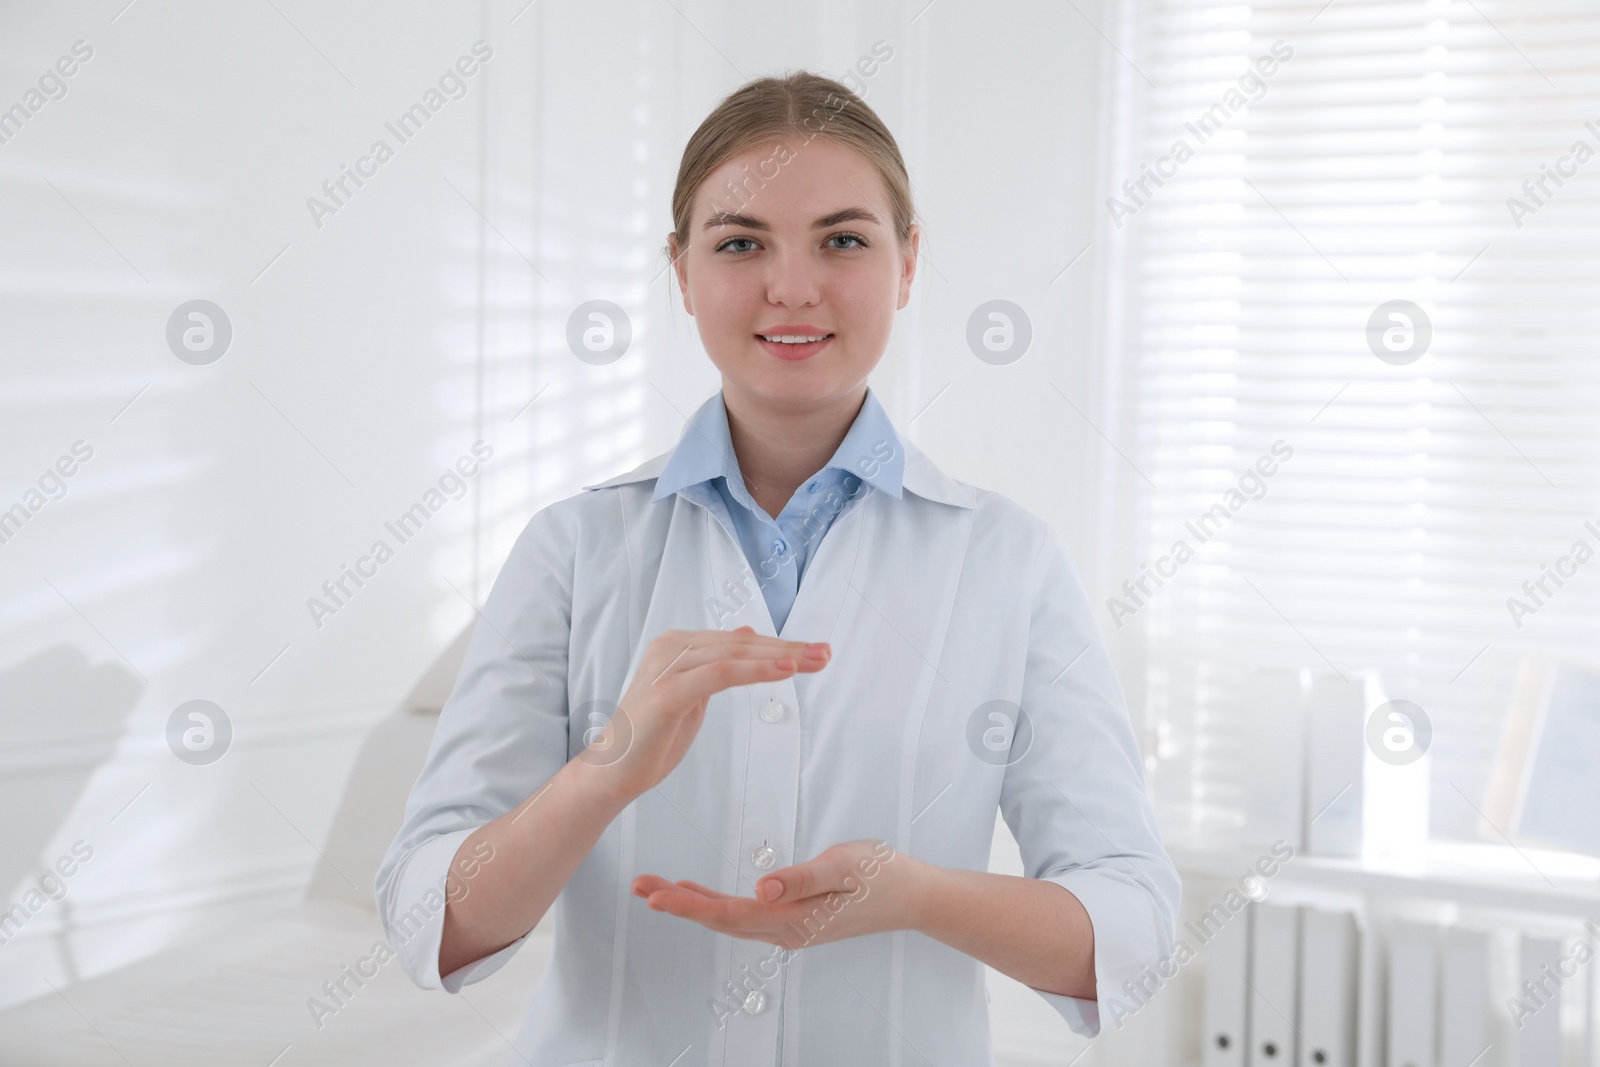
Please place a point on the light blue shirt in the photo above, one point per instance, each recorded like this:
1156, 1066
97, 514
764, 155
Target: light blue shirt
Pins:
704, 468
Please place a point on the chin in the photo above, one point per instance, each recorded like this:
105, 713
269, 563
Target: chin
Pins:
796, 385
824, 376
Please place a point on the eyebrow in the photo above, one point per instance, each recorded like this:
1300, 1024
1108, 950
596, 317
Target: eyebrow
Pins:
750, 222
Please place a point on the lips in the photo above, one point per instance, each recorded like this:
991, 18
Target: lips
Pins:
794, 350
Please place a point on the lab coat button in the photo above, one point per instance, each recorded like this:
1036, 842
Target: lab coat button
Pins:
772, 711
764, 857
755, 1002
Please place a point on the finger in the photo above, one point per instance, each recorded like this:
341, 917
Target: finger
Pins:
687, 904
646, 884
695, 674
743, 634
737, 916
820, 875
743, 642
808, 655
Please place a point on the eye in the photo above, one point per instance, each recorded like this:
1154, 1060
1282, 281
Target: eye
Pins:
731, 240
861, 242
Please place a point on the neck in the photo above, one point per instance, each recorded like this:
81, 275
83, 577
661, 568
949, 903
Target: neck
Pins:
780, 446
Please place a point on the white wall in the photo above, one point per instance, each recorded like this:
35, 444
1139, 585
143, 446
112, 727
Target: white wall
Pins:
372, 350
220, 497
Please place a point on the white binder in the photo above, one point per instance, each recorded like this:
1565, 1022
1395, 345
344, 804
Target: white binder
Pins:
1536, 1035
1465, 1008
1413, 994
1227, 1020
1273, 984
1329, 964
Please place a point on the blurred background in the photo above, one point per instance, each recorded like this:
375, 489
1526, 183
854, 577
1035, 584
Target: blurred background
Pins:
1301, 308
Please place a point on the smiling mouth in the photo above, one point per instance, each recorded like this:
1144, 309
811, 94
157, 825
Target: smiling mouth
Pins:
793, 348
793, 339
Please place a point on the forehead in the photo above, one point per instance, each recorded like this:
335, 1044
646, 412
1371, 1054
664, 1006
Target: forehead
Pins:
790, 180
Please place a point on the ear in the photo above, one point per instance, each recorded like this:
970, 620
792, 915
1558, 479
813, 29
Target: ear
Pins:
680, 267
908, 264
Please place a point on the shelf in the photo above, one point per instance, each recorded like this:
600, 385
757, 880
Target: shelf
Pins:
1496, 876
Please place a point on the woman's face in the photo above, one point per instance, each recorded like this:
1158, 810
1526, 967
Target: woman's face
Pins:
794, 239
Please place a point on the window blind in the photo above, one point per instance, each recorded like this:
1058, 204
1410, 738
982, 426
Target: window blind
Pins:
1294, 170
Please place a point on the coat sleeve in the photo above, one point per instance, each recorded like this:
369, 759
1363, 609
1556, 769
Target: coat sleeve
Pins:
1075, 798
501, 734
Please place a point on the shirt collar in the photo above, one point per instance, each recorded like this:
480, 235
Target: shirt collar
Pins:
920, 475
871, 450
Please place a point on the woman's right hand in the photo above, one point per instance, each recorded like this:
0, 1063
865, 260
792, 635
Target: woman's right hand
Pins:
666, 702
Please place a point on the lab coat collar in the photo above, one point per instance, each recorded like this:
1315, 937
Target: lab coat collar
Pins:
921, 476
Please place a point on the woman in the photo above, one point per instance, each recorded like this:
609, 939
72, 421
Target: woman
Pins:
834, 663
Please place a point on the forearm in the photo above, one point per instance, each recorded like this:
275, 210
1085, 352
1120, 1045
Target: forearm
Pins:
1029, 929
537, 846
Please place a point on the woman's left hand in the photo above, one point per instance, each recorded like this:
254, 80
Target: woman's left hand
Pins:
859, 887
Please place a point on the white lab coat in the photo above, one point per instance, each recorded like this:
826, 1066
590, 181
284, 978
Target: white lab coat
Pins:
937, 604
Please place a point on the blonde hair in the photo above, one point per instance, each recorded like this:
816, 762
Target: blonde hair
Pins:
801, 103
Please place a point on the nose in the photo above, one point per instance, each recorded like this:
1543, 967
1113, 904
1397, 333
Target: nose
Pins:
793, 278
